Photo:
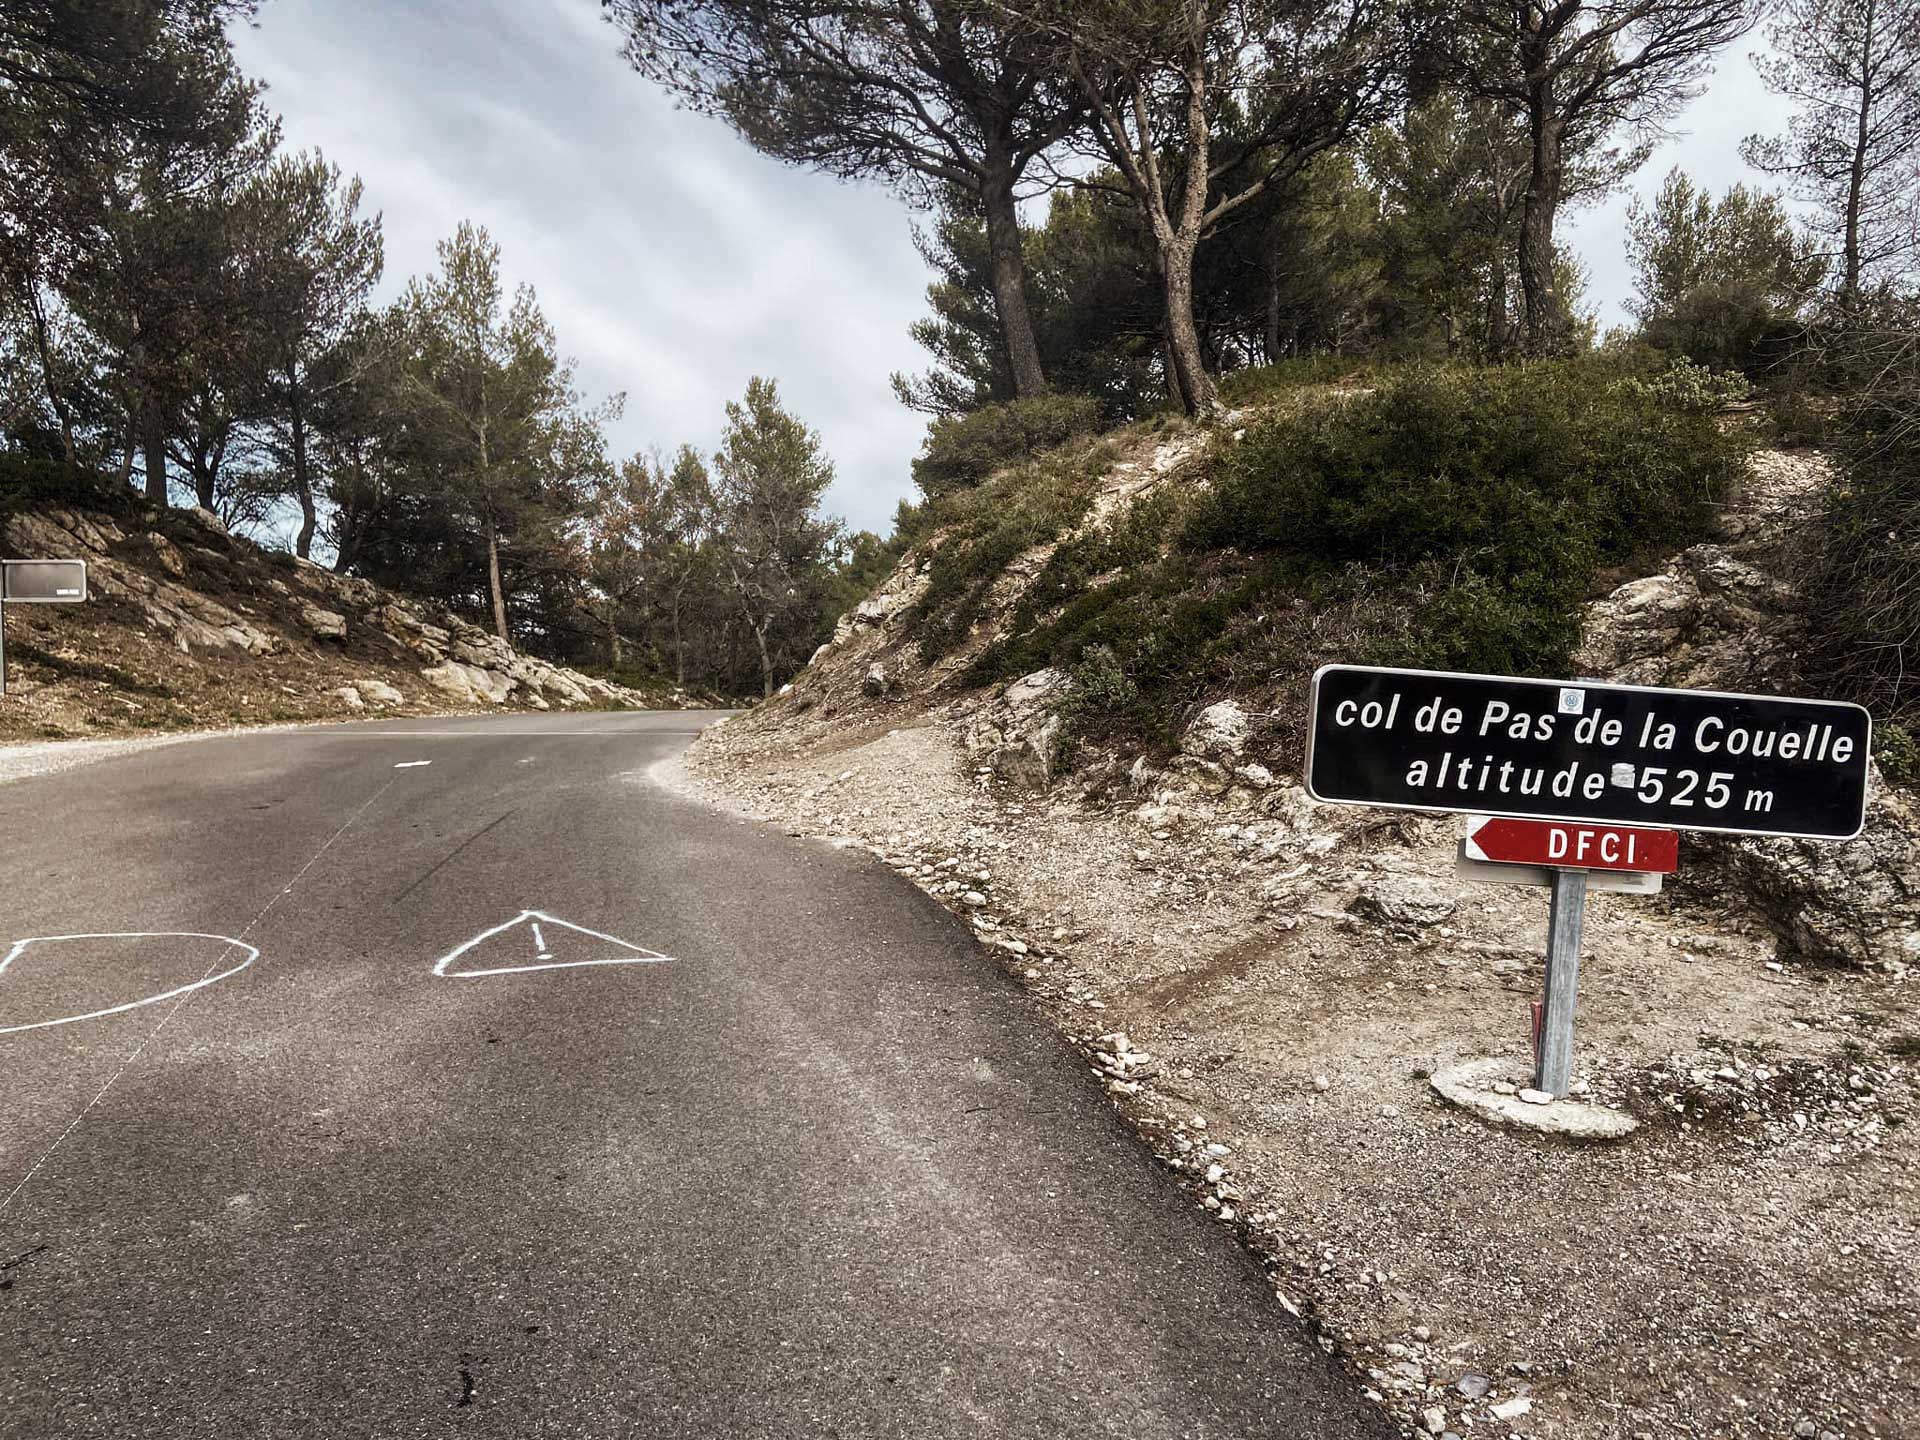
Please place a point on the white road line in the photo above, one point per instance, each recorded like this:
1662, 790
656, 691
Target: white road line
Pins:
174, 1009
412, 764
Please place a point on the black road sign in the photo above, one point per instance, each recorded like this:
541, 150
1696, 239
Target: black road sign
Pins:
1553, 750
43, 582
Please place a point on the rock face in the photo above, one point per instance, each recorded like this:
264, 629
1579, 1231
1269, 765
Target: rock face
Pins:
469, 684
1217, 733
1017, 733
1840, 903
294, 608
1712, 620
1409, 900
323, 624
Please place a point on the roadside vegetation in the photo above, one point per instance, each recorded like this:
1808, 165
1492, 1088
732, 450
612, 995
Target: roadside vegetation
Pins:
1445, 517
1443, 451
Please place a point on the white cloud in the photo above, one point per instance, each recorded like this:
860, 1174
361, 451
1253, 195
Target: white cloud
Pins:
673, 261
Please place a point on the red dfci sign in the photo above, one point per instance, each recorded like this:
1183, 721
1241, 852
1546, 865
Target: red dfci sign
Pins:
1574, 846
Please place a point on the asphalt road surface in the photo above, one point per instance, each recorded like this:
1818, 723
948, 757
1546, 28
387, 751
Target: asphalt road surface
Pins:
459, 1153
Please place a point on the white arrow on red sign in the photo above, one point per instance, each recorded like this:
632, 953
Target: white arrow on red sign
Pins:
1572, 846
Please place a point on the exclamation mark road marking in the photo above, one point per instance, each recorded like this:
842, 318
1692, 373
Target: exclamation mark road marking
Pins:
541, 941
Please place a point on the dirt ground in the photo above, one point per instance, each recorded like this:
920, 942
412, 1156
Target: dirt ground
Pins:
1748, 1263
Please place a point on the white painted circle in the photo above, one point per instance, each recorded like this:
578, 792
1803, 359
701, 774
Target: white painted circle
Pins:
20, 947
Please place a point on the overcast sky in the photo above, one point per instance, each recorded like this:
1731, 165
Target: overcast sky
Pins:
673, 261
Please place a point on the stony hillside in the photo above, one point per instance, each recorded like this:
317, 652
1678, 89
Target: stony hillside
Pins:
1276, 993
188, 626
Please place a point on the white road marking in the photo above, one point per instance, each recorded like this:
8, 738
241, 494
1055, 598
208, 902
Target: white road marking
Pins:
539, 921
174, 1009
412, 764
19, 948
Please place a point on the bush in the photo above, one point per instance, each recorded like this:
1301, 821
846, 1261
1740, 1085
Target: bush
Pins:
963, 450
1517, 476
1801, 418
1865, 585
1898, 753
1451, 519
29, 482
1732, 325
1255, 383
1696, 389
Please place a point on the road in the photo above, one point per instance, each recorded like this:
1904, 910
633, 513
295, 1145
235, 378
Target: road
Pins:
823, 1172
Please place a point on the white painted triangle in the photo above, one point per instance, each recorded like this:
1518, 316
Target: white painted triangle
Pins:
535, 940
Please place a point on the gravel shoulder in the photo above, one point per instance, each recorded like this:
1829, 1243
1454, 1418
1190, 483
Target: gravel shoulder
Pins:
1266, 986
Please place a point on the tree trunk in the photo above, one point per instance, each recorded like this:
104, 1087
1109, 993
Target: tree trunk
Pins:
1197, 392
203, 484
493, 584
43, 343
1271, 341
1010, 278
1546, 318
153, 446
1178, 242
1857, 176
613, 643
766, 662
303, 483
1497, 312
679, 645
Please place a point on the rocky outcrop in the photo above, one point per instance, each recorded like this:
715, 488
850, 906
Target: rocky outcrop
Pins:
1848, 903
1217, 733
1408, 901
1712, 620
1723, 616
1017, 733
279, 606
323, 624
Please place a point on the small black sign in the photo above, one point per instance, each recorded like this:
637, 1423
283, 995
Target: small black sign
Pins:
1548, 750
43, 582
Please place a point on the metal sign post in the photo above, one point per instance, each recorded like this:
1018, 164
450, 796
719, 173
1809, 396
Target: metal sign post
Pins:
1565, 911
37, 582
1581, 784
1569, 860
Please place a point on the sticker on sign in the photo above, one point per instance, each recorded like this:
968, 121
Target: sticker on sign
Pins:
1588, 752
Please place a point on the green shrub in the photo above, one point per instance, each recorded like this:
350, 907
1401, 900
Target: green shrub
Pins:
1256, 383
1731, 325
1801, 418
991, 524
1519, 475
1898, 752
29, 482
1698, 389
963, 450
1453, 519
1865, 580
